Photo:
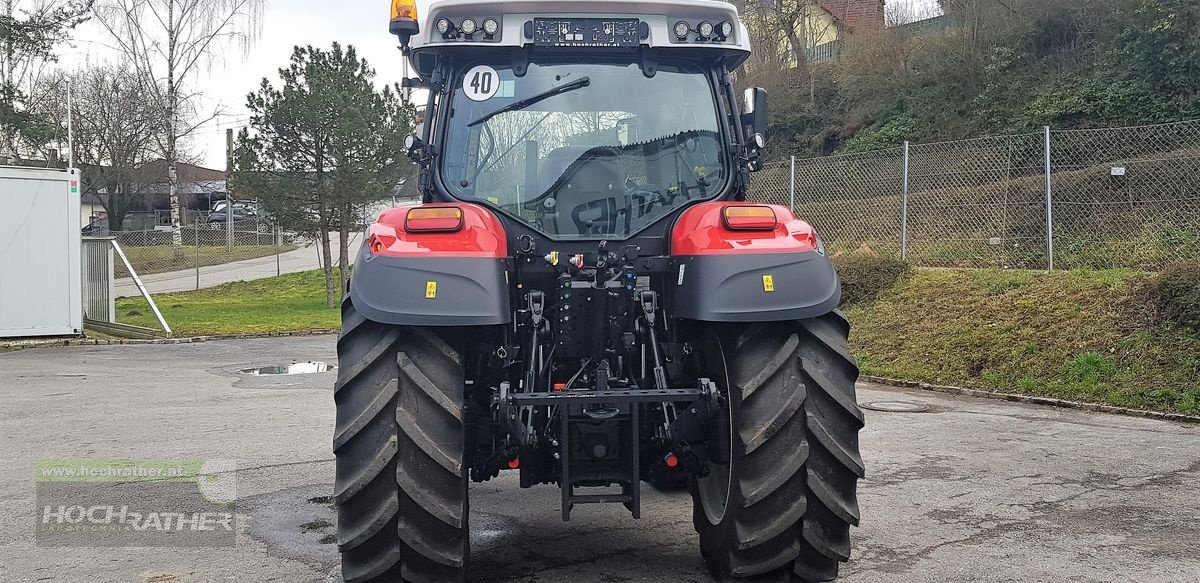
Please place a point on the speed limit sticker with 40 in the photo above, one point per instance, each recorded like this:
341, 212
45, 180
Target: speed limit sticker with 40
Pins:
481, 83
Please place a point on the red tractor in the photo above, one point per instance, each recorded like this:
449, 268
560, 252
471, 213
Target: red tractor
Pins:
586, 299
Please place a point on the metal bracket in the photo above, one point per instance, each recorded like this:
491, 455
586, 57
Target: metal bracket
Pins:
648, 300
631, 493
537, 306
691, 421
602, 376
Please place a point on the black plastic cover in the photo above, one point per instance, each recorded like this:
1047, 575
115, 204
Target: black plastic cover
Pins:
760, 287
587, 32
465, 291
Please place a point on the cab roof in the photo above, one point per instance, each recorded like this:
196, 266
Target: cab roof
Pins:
515, 18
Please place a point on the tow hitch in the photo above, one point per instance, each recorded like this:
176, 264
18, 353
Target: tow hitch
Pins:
598, 441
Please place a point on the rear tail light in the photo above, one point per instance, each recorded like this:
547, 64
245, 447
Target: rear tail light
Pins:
750, 218
446, 219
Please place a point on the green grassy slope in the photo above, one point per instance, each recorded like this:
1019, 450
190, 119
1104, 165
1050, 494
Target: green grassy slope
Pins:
1075, 335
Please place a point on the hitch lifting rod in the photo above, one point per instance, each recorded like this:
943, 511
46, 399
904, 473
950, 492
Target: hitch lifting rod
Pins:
649, 303
537, 304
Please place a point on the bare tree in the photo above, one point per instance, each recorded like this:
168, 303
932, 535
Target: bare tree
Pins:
783, 33
115, 131
770, 49
168, 42
819, 24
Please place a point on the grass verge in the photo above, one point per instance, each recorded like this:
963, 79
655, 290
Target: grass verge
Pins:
288, 303
1081, 335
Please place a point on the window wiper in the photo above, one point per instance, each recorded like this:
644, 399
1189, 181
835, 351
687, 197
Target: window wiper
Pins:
528, 101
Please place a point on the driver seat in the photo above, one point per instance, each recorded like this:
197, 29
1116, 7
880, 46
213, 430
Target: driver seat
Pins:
588, 187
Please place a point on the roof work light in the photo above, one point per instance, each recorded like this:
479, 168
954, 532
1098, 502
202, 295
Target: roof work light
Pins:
404, 20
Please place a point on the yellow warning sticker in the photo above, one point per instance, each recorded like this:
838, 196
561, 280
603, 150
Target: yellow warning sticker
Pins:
768, 283
430, 290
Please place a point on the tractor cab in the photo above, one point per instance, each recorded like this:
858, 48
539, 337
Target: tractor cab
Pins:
580, 120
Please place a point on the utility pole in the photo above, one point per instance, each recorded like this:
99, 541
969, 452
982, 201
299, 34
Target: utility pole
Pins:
70, 131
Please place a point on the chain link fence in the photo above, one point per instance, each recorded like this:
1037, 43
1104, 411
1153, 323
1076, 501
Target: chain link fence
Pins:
1107, 198
252, 248
204, 245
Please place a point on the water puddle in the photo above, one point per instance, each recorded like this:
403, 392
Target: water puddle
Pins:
290, 369
896, 407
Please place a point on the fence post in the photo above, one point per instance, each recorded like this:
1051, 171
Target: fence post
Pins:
904, 210
1049, 204
229, 222
278, 246
196, 236
792, 187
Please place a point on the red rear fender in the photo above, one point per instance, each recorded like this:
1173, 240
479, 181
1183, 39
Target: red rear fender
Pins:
701, 230
481, 235
728, 270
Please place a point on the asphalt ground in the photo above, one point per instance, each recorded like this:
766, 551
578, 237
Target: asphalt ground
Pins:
971, 490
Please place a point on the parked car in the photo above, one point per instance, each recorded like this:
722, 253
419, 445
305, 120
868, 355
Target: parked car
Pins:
241, 212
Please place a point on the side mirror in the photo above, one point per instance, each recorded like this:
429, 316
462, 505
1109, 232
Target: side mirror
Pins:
754, 112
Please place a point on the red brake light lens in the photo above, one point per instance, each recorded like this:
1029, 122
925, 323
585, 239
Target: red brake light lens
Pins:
750, 218
447, 219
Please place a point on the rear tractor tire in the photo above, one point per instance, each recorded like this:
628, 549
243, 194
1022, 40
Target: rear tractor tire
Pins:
400, 486
782, 507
